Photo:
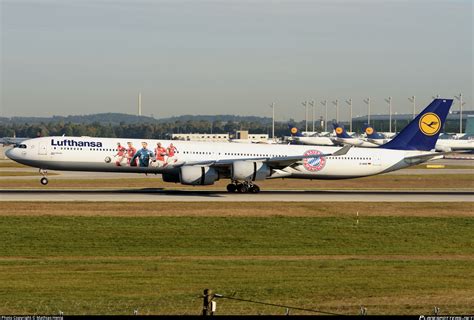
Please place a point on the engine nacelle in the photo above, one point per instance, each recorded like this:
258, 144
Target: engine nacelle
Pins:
168, 177
250, 170
196, 175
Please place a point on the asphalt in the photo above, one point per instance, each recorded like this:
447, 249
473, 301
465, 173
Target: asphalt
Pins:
152, 195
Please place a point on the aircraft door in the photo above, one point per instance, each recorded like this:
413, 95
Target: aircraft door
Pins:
43, 149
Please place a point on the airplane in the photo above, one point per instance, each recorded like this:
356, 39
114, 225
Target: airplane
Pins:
343, 137
318, 140
203, 163
447, 144
6, 141
373, 136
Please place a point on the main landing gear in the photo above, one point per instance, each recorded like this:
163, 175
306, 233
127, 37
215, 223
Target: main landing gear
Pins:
44, 181
243, 187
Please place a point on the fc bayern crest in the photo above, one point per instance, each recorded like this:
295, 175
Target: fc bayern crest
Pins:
313, 164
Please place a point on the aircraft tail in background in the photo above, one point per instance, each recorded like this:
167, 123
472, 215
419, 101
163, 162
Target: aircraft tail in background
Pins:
340, 131
371, 133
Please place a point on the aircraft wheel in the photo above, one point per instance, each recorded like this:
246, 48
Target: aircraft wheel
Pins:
255, 189
231, 187
44, 181
242, 188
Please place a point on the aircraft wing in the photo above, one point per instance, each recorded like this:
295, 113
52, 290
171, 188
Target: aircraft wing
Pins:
276, 162
9, 141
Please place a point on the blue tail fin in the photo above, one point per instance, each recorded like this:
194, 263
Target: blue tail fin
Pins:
340, 131
371, 133
423, 131
294, 130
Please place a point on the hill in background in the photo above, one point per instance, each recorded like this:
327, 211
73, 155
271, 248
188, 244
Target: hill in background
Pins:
117, 118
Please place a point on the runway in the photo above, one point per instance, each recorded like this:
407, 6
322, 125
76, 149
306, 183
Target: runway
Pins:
157, 195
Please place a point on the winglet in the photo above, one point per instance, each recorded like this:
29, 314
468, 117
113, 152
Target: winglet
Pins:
344, 150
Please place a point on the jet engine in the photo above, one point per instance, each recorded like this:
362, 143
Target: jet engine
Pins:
249, 170
196, 175
169, 177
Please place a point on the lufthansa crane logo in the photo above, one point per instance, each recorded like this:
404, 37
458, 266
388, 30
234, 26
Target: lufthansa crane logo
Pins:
369, 130
430, 124
338, 130
294, 130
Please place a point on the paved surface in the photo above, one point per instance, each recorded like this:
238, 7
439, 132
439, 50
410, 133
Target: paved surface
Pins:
140, 195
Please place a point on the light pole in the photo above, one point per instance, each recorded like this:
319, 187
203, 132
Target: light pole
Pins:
336, 103
367, 101
389, 101
325, 104
413, 100
349, 102
273, 119
396, 121
305, 104
461, 103
311, 103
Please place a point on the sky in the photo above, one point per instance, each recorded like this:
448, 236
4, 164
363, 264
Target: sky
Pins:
62, 57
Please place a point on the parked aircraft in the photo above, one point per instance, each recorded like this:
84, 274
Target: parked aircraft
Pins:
373, 136
343, 137
318, 140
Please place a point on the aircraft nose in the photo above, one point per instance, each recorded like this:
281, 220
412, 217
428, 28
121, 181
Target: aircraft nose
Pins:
10, 154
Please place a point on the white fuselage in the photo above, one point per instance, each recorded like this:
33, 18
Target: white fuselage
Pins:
318, 141
356, 142
100, 154
454, 144
445, 145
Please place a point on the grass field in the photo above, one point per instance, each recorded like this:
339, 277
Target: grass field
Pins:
240, 209
112, 258
21, 174
11, 164
399, 182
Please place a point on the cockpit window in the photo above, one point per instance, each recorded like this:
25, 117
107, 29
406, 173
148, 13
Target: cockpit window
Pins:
22, 146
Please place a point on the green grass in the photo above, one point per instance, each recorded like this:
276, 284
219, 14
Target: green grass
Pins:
160, 265
178, 236
11, 164
22, 174
171, 286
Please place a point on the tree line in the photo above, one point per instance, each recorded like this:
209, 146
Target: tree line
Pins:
136, 130
165, 129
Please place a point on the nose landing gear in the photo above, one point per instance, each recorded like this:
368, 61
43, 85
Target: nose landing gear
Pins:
243, 187
44, 180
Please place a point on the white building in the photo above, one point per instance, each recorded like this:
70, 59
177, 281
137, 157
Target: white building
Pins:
240, 136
